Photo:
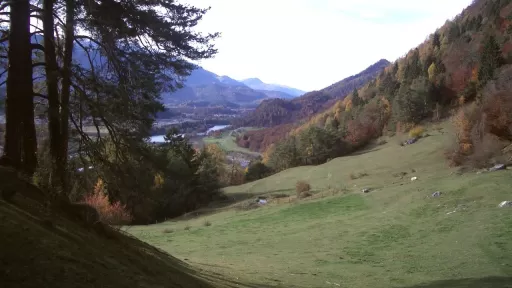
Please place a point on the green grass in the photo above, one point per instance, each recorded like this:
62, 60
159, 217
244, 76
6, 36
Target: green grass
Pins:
395, 236
227, 142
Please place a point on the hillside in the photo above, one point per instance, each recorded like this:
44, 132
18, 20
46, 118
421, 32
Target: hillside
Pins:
468, 59
277, 114
206, 87
257, 84
277, 111
35, 254
397, 235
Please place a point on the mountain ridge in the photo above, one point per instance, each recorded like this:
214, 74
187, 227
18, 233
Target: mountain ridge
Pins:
205, 86
273, 112
258, 84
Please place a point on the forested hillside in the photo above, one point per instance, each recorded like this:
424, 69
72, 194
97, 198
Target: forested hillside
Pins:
277, 111
466, 60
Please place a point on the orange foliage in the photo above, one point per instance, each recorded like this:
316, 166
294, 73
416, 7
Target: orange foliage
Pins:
110, 213
474, 74
498, 113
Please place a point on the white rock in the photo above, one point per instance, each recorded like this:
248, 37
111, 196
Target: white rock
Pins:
414, 178
505, 204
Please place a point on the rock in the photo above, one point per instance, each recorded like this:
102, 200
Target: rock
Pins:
498, 167
366, 190
414, 178
411, 141
436, 194
505, 204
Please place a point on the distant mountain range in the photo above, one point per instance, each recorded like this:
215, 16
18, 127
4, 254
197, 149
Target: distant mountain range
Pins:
204, 88
257, 84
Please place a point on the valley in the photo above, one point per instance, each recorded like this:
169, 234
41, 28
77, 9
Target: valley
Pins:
140, 148
397, 235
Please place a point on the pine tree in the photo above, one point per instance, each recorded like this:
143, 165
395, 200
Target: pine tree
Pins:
356, 100
490, 60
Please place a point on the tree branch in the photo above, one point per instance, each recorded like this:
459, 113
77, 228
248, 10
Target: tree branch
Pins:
40, 95
37, 64
36, 46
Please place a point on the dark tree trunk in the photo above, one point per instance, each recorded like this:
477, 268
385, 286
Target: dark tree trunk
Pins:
66, 86
19, 89
52, 73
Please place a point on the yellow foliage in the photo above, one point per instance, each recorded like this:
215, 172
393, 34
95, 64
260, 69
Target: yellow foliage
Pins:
416, 132
217, 153
348, 105
386, 105
432, 72
158, 182
266, 155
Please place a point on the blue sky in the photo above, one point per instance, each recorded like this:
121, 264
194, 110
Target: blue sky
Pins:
310, 44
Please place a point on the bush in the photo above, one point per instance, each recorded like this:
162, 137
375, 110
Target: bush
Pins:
207, 223
480, 131
416, 132
357, 176
486, 151
110, 213
302, 187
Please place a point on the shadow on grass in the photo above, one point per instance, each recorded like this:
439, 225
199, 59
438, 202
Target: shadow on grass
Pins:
487, 282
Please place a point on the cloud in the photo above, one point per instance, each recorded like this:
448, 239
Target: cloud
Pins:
310, 44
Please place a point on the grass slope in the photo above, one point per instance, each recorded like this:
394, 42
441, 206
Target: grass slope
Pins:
34, 255
227, 142
395, 236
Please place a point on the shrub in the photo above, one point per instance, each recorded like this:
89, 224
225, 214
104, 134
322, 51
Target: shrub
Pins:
301, 187
167, 230
486, 151
111, 213
480, 130
207, 223
357, 176
416, 132
187, 228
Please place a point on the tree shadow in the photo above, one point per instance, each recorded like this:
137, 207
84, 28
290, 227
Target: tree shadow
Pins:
486, 282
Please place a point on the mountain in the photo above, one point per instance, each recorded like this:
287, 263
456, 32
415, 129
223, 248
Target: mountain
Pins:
205, 87
274, 112
257, 84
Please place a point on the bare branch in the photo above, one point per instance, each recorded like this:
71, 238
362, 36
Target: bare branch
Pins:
40, 95
37, 64
36, 46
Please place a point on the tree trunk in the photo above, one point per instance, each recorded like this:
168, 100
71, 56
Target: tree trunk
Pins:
66, 87
58, 171
19, 82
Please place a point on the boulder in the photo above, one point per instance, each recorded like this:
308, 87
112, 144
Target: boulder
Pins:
498, 167
436, 194
505, 204
366, 190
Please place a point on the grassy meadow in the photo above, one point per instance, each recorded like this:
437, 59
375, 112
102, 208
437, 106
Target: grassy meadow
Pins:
227, 142
394, 236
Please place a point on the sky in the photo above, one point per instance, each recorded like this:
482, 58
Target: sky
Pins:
310, 44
